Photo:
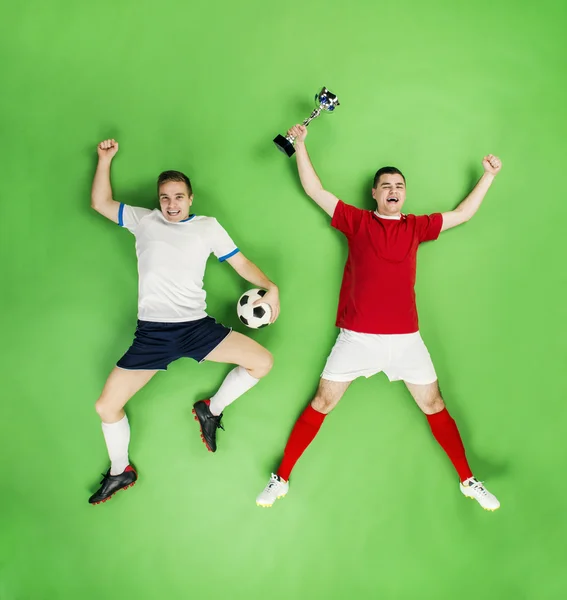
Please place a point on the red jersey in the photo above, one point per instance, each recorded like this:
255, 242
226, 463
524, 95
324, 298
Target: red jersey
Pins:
377, 292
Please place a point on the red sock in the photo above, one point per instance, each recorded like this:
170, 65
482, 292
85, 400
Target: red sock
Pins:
445, 431
302, 434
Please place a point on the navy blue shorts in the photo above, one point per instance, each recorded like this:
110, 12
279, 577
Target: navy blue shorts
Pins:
156, 345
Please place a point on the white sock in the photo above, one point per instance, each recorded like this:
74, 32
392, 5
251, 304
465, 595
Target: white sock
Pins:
234, 385
117, 438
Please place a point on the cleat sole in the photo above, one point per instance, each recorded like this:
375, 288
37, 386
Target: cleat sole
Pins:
112, 495
483, 508
270, 505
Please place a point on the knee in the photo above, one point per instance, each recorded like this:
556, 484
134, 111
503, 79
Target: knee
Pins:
263, 365
100, 407
434, 405
322, 403
105, 411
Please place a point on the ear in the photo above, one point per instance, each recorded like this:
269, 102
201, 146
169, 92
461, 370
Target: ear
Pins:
191, 199
374, 193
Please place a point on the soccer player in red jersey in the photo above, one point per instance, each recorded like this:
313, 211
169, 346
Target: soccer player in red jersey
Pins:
377, 313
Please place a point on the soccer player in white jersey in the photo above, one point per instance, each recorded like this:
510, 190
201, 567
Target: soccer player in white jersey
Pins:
172, 247
377, 313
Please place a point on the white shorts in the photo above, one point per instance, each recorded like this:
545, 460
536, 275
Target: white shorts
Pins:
401, 357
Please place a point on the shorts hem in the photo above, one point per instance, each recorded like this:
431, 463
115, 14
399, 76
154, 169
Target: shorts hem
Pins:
138, 368
405, 380
340, 378
219, 343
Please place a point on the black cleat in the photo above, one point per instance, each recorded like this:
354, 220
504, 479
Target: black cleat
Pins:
112, 484
209, 423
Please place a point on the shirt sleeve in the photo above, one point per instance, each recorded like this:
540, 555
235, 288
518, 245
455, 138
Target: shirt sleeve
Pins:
222, 245
428, 227
130, 216
347, 218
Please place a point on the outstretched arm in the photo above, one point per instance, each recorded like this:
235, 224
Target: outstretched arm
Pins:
468, 207
101, 194
309, 179
249, 271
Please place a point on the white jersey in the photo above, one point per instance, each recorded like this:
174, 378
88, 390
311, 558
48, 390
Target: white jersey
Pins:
171, 262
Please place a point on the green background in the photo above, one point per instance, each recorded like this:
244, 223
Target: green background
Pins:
374, 510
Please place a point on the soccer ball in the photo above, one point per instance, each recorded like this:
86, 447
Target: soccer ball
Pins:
253, 316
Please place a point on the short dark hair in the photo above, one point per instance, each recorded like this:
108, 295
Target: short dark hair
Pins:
386, 171
174, 176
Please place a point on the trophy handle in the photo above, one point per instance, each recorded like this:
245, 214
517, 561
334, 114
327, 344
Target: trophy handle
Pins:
312, 116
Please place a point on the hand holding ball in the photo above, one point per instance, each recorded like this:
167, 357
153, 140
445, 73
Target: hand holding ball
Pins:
254, 316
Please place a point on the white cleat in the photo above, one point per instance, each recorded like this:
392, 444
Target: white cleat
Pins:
472, 488
276, 488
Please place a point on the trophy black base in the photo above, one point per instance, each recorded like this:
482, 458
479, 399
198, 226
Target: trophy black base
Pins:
283, 144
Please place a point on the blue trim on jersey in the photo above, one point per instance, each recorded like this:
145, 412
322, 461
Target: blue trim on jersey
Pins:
120, 215
223, 258
187, 219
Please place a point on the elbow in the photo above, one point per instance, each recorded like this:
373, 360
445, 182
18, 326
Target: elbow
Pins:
99, 203
463, 216
314, 191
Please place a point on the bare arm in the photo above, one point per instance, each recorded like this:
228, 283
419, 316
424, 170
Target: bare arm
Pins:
101, 193
307, 175
251, 273
468, 207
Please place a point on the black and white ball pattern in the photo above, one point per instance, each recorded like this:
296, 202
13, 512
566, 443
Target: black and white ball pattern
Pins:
253, 316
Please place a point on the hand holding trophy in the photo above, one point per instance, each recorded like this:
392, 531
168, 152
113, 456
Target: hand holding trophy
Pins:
325, 101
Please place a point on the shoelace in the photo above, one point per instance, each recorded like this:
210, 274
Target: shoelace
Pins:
273, 483
478, 487
105, 477
218, 423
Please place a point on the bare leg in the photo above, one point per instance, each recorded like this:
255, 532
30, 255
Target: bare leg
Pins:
444, 429
120, 386
238, 349
253, 362
307, 426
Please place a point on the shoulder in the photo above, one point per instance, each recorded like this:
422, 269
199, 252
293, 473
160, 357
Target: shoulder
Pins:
342, 205
130, 216
345, 210
428, 227
421, 217
349, 219
204, 221
426, 220
148, 216
140, 209
416, 220
144, 213
207, 225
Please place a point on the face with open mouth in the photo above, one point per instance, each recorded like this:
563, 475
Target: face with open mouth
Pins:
390, 194
175, 201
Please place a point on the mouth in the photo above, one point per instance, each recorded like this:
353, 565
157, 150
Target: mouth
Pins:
173, 213
392, 200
